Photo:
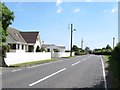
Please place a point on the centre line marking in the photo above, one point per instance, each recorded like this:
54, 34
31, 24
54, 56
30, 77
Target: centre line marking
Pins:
103, 68
16, 70
47, 77
76, 63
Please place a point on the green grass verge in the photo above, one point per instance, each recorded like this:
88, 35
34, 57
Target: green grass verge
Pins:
33, 63
107, 57
114, 68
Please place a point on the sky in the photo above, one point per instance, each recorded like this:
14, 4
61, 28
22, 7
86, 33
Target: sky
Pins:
95, 22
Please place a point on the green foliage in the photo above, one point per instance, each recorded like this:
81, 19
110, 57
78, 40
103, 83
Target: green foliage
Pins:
87, 49
75, 48
114, 64
38, 49
67, 50
5, 48
116, 53
108, 47
56, 50
6, 18
78, 51
42, 50
103, 51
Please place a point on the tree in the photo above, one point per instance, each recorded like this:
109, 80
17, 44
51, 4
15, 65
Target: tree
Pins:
75, 48
87, 49
6, 18
116, 53
108, 47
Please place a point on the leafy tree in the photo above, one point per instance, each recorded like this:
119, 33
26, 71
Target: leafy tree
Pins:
87, 49
116, 53
6, 18
75, 48
108, 47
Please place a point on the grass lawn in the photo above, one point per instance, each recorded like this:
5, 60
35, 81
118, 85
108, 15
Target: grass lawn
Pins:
33, 63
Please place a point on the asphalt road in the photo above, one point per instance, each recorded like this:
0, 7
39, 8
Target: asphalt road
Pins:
78, 72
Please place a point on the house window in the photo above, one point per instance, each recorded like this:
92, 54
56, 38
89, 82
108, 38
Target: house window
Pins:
48, 50
12, 46
22, 47
18, 47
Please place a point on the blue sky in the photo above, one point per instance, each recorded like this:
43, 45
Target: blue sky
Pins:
95, 22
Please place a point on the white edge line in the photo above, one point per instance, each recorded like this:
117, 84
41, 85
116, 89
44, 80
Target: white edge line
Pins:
104, 76
47, 77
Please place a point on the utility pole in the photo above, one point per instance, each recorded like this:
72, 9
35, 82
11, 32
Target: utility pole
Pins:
71, 39
82, 43
113, 42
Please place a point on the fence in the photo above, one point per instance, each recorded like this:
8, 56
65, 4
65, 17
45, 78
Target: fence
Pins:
15, 58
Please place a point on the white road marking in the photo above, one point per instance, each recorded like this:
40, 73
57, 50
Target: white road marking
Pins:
16, 70
0, 73
103, 68
47, 77
76, 63
80, 61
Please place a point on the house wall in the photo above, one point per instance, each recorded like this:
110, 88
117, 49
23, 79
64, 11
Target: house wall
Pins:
61, 49
22, 57
61, 54
55, 47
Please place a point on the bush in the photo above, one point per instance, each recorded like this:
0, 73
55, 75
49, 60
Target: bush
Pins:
38, 49
67, 50
114, 64
56, 50
116, 53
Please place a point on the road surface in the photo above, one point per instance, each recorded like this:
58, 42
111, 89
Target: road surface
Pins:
78, 72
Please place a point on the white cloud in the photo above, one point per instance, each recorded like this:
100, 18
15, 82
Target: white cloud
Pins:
114, 10
59, 10
77, 10
58, 5
58, 2
88, 0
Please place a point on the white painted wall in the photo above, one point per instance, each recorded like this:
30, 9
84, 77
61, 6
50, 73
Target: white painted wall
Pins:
22, 57
62, 54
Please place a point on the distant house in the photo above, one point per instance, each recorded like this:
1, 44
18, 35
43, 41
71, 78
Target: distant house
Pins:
53, 47
23, 41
